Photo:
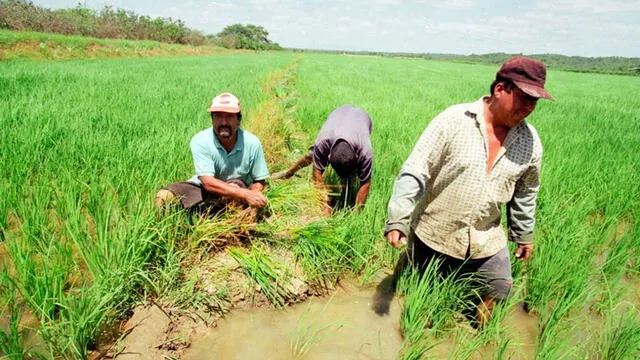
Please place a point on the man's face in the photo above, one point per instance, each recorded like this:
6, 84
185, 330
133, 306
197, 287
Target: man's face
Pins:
225, 125
516, 105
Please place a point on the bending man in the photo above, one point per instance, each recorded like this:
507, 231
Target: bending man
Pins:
344, 143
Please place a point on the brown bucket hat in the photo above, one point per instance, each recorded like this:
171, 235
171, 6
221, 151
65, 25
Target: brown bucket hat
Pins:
527, 74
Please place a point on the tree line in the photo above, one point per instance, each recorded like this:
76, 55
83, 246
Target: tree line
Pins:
110, 23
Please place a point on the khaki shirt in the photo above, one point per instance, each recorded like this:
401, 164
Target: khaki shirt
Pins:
458, 210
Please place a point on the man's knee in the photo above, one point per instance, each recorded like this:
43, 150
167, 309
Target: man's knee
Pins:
500, 289
495, 273
163, 197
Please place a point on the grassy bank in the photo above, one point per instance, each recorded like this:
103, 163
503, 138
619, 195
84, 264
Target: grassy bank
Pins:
35, 45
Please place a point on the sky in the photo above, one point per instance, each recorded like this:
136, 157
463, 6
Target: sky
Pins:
568, 27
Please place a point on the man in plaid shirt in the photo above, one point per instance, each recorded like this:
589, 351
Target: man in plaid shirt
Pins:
470, 160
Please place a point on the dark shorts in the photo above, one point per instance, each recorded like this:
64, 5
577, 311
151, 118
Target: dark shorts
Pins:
191, 194
491, 275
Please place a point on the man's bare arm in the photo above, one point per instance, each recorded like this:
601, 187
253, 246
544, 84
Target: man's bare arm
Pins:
222, 188
302, 162
362, 195
318, 180
257, 186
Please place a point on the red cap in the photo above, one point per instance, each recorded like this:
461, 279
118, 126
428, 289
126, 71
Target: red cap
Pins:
527, 74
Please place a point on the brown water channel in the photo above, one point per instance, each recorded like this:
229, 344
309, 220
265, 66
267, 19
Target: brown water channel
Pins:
341, 326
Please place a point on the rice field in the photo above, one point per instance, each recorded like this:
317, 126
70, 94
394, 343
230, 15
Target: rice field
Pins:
87, 143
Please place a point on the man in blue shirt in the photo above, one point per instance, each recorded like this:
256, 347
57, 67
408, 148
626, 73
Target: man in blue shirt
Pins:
229, 162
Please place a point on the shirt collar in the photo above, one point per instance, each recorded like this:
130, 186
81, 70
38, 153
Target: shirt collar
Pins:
474, 110
237, 147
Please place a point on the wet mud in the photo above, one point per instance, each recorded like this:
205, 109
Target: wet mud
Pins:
344, 325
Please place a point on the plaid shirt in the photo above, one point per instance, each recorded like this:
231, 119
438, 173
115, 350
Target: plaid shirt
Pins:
458, 210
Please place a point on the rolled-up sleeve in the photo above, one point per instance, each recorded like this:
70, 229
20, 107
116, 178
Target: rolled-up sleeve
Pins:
522, 207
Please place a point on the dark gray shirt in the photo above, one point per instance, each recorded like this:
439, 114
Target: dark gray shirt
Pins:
352, 125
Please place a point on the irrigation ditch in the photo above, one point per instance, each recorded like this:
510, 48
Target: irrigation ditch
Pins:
234, 263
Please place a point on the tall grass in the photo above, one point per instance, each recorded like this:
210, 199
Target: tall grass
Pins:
620, 338
430, 305
271, 277
587, 209
89, 142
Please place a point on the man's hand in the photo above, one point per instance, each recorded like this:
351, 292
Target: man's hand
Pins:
524, 251
255, 198
396, 238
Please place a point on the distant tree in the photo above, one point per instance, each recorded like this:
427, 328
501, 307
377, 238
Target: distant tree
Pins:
106, 23
254, 37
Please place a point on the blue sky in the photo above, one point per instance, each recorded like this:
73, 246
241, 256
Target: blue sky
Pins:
569, 27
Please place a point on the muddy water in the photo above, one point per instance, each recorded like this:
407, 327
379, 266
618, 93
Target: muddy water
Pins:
345, 326
342, 326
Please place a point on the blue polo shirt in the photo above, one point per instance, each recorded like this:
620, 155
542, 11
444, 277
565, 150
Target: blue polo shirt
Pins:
244, 162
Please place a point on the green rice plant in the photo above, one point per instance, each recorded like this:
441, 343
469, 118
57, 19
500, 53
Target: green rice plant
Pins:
620, 337
495, 331
550, 276
294, 200
429, 307
367, 243
634, 267
166, 262
270, 276
558, 335
10, 338
73, 332
214, 232
310, 332
41, 277
323, 250
11, 335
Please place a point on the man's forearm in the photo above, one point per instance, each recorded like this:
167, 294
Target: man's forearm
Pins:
318, 181
406, 190
362, 195
257, 186
222, 188
302, 162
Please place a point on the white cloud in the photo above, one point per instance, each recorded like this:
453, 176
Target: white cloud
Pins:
221, 5
591, 6
453, 5
572, 27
